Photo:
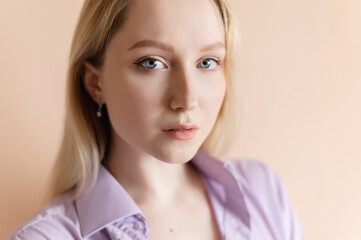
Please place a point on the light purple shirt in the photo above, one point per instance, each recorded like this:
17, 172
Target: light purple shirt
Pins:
247, 197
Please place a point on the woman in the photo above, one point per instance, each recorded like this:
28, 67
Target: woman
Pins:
150, 103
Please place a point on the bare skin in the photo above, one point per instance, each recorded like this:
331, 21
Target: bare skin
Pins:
188, 217
187, 214
176, 208
185, 86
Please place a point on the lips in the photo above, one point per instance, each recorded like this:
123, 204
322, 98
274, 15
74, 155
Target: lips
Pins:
181, 127
181, 132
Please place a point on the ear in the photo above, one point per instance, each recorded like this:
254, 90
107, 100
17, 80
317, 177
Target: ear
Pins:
92, 81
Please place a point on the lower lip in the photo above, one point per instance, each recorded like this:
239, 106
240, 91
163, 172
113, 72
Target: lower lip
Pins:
181, 135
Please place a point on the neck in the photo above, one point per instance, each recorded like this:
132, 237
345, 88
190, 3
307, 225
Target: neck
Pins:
146, 178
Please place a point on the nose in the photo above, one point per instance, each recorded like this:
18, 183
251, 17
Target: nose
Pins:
184, 94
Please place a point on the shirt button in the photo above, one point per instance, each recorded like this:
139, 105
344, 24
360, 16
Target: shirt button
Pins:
137, 226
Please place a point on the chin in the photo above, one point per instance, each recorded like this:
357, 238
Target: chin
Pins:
177, 156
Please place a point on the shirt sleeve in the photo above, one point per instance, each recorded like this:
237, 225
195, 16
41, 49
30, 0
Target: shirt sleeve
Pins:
30, 233
292, 226
44, 229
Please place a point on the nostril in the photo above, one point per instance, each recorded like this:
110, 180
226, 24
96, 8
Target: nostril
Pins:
179, 104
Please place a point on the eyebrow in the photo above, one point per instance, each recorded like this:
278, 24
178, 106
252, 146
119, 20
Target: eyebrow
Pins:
213, 46
168, 48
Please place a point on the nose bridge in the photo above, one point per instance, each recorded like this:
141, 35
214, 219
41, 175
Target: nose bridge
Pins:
184, 92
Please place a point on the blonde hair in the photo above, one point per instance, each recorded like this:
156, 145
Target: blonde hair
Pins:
86, 137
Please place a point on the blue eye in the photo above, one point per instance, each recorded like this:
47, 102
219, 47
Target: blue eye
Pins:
208, 63
150, 63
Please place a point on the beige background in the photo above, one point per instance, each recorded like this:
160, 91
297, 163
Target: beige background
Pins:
301, 85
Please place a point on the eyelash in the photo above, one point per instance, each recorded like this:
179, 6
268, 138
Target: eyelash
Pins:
210, 58
142, 60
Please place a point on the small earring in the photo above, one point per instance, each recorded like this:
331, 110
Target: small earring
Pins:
99, 113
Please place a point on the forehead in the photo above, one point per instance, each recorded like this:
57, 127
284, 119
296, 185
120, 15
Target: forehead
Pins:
191, 23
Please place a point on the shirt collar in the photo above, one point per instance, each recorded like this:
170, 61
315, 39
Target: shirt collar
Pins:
236, 218
99, 207
108, 201
216, 169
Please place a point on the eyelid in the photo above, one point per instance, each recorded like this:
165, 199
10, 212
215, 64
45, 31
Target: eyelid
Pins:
151, 57
212, 58
215, 59
139, 61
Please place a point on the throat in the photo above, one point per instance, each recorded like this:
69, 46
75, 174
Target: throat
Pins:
167, 187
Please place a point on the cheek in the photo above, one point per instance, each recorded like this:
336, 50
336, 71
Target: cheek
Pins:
213, 94
130, 103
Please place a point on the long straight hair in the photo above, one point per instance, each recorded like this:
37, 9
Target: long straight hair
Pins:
86, 138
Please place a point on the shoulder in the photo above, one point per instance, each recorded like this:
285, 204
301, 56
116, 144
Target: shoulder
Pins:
255, 174
266, 196
260, 183
56, 220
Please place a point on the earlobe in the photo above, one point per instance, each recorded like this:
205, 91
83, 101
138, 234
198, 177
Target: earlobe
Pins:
92, 81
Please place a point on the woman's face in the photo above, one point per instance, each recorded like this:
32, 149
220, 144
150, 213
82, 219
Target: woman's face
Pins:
164, 68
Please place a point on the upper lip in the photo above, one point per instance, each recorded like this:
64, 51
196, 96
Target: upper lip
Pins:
181, 126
